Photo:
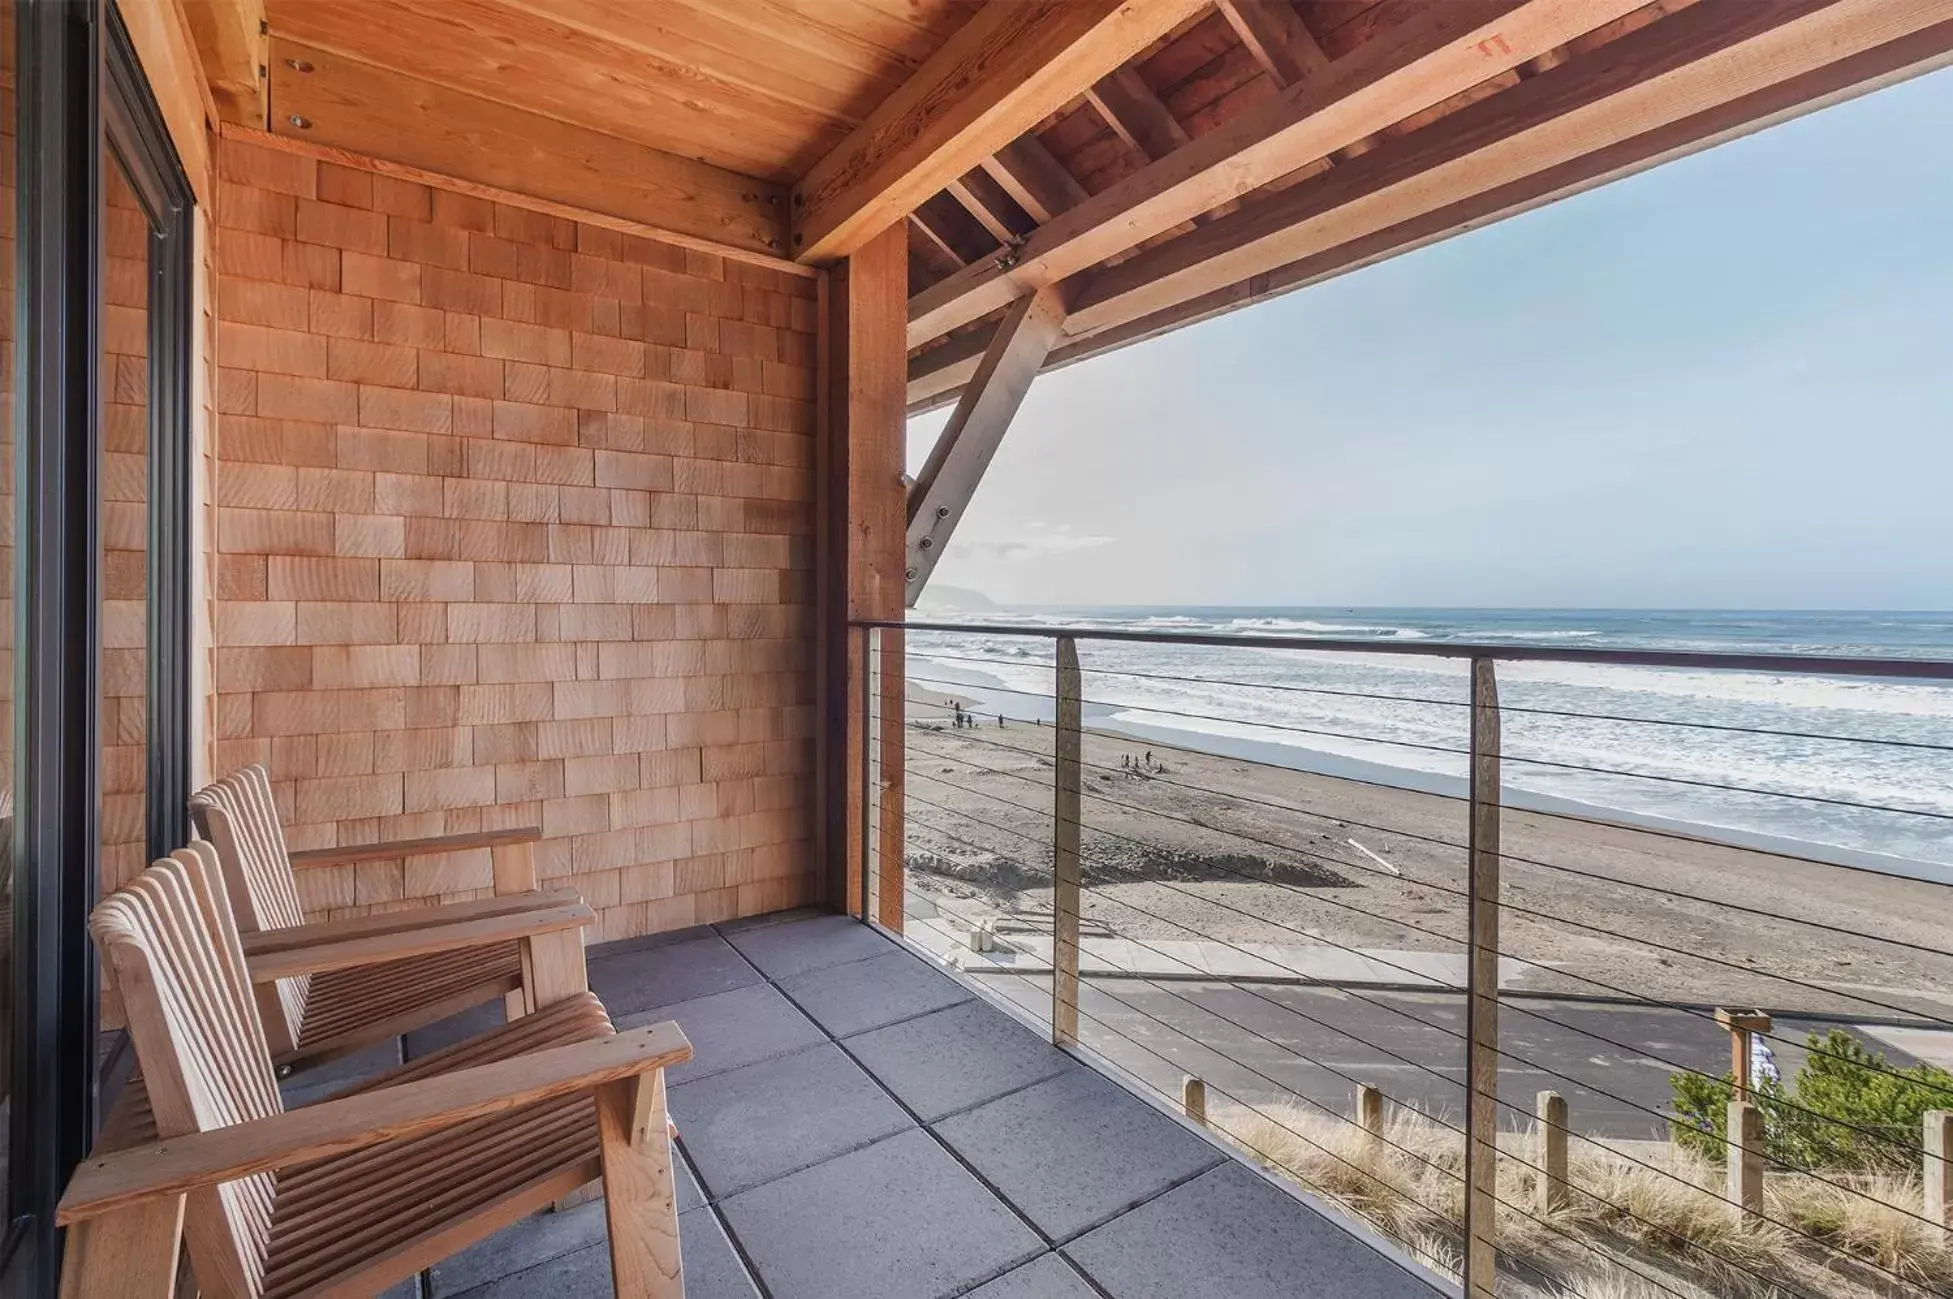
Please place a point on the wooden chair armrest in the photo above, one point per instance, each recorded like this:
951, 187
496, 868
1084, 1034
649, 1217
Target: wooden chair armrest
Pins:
388, 922
396, 946
172, 1167
445, 843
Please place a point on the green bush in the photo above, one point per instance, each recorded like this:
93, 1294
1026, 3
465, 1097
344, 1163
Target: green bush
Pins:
1846, 1109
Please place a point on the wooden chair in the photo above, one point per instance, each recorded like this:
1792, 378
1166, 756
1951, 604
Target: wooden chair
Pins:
311, 1013
355, 1193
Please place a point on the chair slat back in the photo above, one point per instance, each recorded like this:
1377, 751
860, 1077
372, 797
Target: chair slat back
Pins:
170, 942
239, 817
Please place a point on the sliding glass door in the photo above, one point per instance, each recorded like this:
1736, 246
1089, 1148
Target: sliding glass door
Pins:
95, 264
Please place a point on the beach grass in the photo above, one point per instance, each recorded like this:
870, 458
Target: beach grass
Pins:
1646, 1223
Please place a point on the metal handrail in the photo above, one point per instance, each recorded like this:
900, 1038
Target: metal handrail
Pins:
1714, 660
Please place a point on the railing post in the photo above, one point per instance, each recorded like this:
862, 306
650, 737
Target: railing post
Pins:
871, 773
1551, 1109
1193, 1099
1067, 752
1369, 1110
1937, 1166
1746, 1137
1482, 992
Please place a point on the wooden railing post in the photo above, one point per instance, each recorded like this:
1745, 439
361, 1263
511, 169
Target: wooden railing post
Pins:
1482, 991
1067, 752
1369, 1110
1938, 1166
1193, 1099
1745, 1186
1551, 1109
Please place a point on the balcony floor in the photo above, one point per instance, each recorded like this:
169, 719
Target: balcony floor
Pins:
858, 1124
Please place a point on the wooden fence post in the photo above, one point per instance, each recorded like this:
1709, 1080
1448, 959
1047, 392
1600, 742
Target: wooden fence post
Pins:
1482, 992
1551, 1109
1369, 1109
1745, 1188
1938, 1168
1193, 1099
1742, 1026
1067, 749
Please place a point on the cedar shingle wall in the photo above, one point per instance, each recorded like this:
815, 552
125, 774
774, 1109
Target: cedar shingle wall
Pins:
514, 527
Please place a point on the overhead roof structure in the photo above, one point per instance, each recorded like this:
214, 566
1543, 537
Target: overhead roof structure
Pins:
1072, 175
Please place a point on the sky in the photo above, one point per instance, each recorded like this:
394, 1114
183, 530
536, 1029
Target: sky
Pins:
1726, 382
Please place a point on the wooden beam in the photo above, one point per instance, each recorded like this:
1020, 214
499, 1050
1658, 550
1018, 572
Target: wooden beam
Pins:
1428, 55
945, 368
1275, 35
168, 53
1886, 64
1038, 181
1011, 65
361, 108
1687, 63
935, 256
1136, 114
983, 198
236, 52
860, 451
970, 440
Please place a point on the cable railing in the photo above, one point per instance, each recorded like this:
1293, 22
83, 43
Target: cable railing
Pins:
1549, 1038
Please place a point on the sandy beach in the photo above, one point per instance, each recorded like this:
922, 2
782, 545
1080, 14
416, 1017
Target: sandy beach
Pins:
1189, 845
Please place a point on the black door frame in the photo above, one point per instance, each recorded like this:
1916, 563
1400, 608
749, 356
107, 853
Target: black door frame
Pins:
80, 91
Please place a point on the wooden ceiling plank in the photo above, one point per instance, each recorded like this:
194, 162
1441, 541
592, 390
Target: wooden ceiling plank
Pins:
513, 57
1136, 114
1434, 52
1682, 65
1011, 65
967, 444
935, 382
236, 53
1029, 174
1275, 35
355, 106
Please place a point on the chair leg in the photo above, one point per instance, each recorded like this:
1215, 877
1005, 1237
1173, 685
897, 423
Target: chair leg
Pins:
129, 1254
640, 1192
552, 967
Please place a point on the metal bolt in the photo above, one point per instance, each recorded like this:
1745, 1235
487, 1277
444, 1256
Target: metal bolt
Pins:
298, 65
911, 575
926, 543
302, 123
799, 239
942, 511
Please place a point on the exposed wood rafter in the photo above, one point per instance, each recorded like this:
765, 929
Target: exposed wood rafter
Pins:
1275, 35
1011, 65
937, 375
1136, 114
1434, 53
1038, 181
1662, 73
968, 442
983, 198
236, 55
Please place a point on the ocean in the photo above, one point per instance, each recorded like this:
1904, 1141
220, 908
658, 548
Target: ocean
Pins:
1857, 771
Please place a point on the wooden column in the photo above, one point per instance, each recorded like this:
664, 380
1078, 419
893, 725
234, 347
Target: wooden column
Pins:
861, 517
1369, 1109
1066, 752
1482, 992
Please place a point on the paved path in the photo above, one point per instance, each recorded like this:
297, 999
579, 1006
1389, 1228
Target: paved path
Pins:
1258, 1042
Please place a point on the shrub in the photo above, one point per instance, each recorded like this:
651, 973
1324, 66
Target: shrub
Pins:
1847, 1109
